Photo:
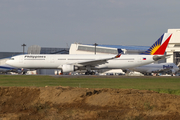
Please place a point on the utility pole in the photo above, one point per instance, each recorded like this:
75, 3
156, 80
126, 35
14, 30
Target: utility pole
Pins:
23, 45
95, 48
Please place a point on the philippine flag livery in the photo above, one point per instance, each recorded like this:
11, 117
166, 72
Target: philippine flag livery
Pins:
159, 47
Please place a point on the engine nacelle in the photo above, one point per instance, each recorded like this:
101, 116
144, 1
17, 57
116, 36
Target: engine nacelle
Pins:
171, 71
68, 68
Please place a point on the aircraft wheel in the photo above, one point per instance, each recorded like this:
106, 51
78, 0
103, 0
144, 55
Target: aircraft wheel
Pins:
92, 73
86, 73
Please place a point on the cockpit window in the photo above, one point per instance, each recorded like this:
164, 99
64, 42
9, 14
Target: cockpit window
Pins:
12, 58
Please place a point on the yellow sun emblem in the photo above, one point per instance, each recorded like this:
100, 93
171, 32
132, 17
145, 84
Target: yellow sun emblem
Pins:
154, 48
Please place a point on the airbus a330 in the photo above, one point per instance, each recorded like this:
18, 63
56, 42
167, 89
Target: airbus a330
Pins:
70, 63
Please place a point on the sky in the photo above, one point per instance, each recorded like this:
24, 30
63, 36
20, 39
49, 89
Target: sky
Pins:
58, 23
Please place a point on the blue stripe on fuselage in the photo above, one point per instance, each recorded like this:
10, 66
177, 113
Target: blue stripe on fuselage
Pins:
7, 68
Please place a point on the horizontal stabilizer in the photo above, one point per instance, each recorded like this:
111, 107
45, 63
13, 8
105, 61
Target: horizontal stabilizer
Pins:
156, 57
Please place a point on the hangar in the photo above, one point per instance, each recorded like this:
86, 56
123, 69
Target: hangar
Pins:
77, 48
35, 49
173, 48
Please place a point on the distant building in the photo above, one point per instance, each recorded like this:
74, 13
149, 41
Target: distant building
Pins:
35, 49
9, 54
77, 48
173, 48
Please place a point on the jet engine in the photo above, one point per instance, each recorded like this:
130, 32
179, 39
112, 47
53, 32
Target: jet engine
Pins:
69, 68
171, 71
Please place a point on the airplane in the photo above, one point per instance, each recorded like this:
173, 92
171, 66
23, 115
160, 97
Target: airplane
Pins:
169, 68
70, 63
4, 68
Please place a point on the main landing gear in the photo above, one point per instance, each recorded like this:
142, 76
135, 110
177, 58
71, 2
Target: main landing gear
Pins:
89, 73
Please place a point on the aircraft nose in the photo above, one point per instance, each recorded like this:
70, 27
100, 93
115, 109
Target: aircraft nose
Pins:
8, 62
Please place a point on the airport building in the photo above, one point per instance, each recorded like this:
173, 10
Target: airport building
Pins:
35, 49
77, 48
173, 48
9, 54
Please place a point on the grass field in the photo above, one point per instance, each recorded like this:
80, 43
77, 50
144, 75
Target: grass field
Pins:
168, 84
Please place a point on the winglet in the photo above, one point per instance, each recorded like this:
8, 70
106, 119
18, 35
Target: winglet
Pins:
159, 47
117, 56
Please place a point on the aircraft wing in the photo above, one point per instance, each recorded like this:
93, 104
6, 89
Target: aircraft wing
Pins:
96, 62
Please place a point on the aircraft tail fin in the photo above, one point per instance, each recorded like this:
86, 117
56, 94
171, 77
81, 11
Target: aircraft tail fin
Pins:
159, 47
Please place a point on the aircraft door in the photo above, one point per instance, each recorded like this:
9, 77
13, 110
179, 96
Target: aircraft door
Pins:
51, 59
21, 59
139, 59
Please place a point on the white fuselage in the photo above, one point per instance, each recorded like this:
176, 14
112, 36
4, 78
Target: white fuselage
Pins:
55, 61
150, 68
